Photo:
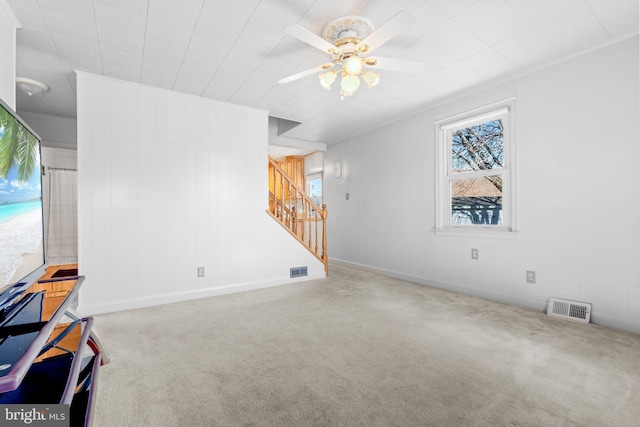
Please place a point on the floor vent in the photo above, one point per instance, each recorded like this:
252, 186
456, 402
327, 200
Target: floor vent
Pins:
298, 272
571, 310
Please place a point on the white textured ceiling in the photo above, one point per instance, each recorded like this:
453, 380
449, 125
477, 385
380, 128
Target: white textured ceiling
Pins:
236, 50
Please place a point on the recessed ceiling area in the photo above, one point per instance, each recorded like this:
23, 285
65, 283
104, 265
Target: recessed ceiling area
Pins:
236, 51
277, 152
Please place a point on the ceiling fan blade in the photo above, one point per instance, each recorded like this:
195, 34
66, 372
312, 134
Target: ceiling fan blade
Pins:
388, 30
392, 64
305, 73
312, 39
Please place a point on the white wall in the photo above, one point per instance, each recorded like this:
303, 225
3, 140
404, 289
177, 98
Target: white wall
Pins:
59, 158
168, 183
55, 131
578, 188
313, 163
8, 25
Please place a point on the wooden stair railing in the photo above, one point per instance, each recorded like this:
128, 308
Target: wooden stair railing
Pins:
296, 212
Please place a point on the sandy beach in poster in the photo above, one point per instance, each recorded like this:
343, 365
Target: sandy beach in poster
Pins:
21, 240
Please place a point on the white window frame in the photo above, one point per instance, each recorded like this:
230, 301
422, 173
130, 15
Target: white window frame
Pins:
444, 174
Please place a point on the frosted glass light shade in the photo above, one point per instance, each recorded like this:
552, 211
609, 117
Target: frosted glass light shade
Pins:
371, 78
350, 84
353, 66
327, 79
30, 86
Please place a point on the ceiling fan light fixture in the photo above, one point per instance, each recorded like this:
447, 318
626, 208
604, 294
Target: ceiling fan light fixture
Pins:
344, 94
327, 79
349, 40
30, 86
353, 66
371, 78
349, 84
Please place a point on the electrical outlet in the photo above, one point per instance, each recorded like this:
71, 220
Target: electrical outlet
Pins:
347, 196
474, 254
200, 271
531, 276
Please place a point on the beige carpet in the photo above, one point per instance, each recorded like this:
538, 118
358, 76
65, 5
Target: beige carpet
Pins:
362, 349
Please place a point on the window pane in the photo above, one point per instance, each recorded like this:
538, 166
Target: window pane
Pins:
314, 190
478, 147
477, 200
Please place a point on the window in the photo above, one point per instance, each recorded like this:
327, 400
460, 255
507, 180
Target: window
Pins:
314, 187
475, 180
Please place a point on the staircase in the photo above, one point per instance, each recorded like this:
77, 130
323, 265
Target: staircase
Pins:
297, 213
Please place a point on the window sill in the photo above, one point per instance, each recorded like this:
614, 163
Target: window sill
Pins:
479, 232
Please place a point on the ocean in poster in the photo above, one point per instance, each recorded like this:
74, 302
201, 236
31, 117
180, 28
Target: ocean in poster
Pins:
12, 210
21, 243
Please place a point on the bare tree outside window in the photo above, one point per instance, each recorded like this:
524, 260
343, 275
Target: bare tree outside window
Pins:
477, 199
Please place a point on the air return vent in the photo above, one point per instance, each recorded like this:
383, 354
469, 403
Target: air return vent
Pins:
298, 272
570, 310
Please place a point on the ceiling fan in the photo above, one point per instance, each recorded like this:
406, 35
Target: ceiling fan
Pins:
349, 40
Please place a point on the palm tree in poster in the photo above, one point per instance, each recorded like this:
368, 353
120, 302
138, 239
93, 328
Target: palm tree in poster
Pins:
18, 147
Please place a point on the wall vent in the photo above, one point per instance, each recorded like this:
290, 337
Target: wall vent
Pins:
298, 272
570, 310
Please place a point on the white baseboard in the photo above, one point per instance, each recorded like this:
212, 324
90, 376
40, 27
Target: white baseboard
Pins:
134, 303
603, 319
614, 322
533, 304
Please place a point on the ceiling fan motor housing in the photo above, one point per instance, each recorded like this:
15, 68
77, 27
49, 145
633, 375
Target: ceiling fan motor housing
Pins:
345, 33
347, 27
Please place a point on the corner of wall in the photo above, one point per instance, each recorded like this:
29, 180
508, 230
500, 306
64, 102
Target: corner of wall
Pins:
8, 25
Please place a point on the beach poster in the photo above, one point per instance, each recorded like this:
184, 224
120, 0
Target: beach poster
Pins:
21, 223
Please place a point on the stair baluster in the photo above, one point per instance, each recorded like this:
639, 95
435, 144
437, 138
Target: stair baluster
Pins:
295, 211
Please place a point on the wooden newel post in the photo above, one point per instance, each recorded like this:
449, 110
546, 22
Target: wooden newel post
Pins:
325, 258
